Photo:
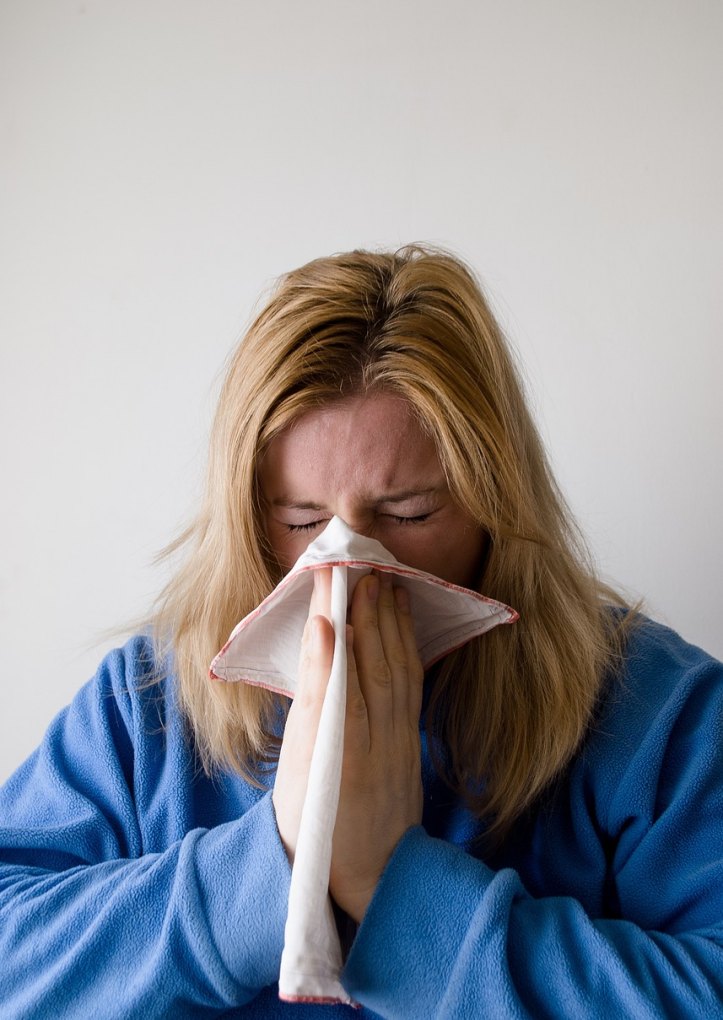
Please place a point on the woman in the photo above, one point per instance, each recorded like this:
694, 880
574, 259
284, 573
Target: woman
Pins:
532, 829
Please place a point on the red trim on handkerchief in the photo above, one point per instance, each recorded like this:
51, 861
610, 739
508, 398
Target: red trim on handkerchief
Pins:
389, 569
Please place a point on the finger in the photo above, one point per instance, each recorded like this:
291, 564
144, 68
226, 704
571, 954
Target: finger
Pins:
356, 726
300, 730
415, 670
395, 651
321, 593
317, 652
373, 671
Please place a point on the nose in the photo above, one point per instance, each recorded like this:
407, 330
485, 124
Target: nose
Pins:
362, 522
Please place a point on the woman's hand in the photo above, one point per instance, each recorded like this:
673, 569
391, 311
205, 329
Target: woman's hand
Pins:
381, 785
317, 651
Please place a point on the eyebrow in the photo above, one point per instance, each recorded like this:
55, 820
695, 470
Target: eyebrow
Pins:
396, 497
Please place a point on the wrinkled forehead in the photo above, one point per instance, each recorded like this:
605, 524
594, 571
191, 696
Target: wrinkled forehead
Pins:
371, 444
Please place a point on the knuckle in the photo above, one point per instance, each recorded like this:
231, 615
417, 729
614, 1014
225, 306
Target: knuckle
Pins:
398, 661
367, 619
382, 673
355, 705
307, 699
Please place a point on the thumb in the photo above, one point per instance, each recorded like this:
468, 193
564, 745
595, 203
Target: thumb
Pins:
317, 652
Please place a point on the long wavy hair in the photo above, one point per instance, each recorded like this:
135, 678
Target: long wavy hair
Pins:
508, 711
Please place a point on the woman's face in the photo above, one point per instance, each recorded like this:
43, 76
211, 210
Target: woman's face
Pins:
365, 459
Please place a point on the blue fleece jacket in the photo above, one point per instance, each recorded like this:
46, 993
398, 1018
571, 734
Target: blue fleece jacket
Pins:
133, 886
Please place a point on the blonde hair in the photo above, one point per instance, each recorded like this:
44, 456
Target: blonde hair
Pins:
508, 711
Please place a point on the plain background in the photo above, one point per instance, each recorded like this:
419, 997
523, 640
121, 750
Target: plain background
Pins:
162, 162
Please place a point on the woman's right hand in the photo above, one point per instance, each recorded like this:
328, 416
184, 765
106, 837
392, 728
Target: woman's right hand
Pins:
302, 723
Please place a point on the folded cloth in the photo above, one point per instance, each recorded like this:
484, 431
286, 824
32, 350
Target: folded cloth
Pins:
264, 649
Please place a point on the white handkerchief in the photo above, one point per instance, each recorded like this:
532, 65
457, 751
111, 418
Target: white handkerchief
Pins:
264, 649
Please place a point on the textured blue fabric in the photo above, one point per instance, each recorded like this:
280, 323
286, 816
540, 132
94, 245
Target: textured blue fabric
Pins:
133, 886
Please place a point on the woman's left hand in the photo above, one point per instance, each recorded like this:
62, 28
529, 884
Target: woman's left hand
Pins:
381, 785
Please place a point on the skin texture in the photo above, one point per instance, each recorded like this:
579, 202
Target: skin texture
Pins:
367, 460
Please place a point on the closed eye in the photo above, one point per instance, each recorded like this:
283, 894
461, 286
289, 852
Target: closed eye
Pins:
418, 519
297, 529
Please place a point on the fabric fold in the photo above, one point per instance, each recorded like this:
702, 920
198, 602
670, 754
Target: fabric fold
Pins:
264, 649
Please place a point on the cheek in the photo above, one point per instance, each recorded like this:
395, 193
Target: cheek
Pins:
472, 559
287, 545
458, 555
453, 553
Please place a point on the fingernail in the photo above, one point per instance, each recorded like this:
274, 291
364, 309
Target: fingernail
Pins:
372, 588
401, 597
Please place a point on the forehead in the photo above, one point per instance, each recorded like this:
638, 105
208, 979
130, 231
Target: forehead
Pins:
370, 444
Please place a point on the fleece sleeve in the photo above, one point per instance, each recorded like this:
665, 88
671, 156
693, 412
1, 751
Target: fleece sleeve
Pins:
92, 924
447, 936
